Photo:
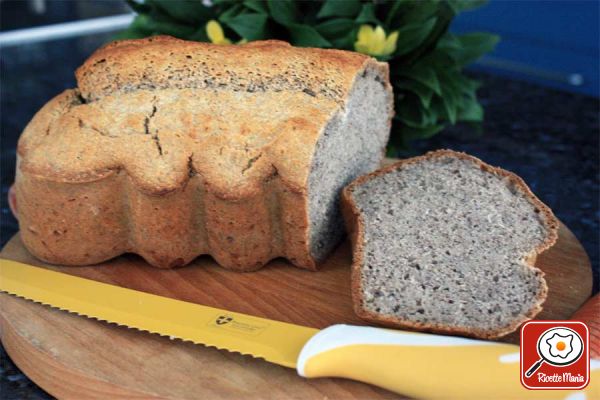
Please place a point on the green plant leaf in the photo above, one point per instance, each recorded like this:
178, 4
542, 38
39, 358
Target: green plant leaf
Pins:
450, 108
446, 107
451, 45
283, 11
471, 111
140, 8
415, 12
469, 87
444, 17
459, 6
452, 92
411, 112
449, 42
474, 45
256, 5
412, 36
346, 41
422, 73
339, 8
160, 25
188, 11
306, 36
336, 27
231, 12
463, 85
424, 93
393, 11
249, 26
410, 133
367, 15
440, 59
199, 35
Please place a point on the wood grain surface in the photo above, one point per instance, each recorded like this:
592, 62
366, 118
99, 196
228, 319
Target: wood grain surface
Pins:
590, 314
73, 357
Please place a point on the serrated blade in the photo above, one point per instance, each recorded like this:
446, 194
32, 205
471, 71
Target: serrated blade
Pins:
275, 341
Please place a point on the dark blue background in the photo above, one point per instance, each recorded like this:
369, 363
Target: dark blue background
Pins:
542, 41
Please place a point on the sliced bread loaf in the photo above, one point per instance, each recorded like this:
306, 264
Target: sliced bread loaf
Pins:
447, 243
171, 149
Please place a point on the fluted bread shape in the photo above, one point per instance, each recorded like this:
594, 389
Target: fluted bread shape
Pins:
171, 149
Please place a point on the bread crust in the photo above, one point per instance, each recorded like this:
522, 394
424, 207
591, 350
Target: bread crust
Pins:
258, 65
133, 151
355, 226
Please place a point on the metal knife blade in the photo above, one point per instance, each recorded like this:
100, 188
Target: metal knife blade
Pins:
275, 341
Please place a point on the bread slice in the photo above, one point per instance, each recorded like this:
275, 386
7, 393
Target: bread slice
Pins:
172, 149
446, 243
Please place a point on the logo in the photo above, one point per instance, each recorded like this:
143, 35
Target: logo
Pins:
245, 325
554, 355
223, 319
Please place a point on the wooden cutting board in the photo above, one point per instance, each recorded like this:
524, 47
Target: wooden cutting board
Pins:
74, 357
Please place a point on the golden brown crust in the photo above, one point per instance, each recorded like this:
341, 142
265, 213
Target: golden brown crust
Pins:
135, 140
137, 111
164, 62
355, 226
90, 222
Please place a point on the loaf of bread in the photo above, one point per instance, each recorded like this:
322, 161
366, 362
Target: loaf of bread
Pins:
171, 149
447, 243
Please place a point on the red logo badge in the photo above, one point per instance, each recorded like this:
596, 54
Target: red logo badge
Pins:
555, 355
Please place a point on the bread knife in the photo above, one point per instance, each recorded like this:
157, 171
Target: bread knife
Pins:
418, 365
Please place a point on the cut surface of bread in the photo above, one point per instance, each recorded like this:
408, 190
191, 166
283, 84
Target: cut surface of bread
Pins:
447, 243
172, 149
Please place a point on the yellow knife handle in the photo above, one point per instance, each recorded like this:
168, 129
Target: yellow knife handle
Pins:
424, 366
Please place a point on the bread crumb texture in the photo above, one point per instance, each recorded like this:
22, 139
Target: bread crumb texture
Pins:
447, 243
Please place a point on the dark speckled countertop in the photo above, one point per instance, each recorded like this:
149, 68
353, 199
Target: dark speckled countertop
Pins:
549, 138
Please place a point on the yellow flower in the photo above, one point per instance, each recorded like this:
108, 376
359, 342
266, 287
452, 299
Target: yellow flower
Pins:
215, 33
374, 41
